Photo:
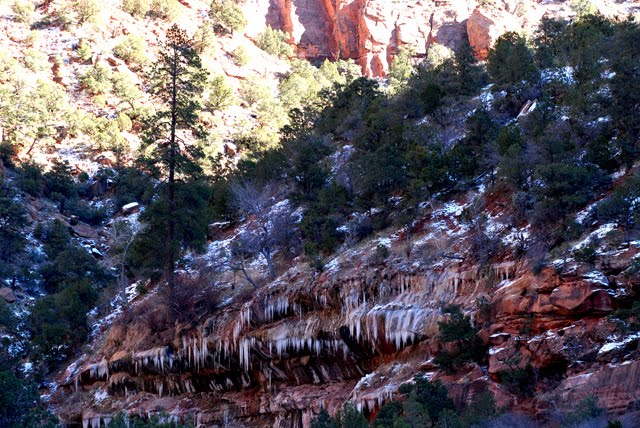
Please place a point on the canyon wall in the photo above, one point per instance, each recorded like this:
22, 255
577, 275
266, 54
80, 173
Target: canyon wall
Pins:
370, 31
364, 326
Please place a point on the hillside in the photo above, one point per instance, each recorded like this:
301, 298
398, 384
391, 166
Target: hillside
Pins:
337, 214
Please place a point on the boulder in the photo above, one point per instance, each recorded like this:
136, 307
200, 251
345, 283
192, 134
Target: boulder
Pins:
84, 231
482, 33
130, 208
7, 294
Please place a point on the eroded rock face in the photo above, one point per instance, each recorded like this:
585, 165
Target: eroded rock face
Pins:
368, 31
371, 31
355, 332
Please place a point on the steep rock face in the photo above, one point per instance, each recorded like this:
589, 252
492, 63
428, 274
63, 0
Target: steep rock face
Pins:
364, 326
370, 31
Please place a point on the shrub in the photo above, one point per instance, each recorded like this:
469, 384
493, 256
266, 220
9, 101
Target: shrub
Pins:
31, 178
204, 39
227, 16
58, 323
586, 254
87, 10
84, 50
583, 7
323, 420
131, 50
23, 10
97, 80
132, 185
349, 416
401, 68
166, 9
219, 94
127, 90
124, 122
275, 42
137, 8
35, 60
622, 206
437, 55
433, 396
7, 153
240, 56
519, 378
481, 408
585, 410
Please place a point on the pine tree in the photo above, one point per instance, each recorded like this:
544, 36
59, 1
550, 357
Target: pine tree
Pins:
324, 420
177, 81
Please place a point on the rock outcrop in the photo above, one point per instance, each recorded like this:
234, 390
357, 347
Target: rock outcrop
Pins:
371, 31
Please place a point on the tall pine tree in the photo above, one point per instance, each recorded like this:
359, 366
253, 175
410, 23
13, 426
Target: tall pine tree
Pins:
168, 151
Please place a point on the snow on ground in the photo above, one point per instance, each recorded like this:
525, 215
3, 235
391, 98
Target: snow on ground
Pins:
599, 233
516, 236
611, 346
596, 277
563, 75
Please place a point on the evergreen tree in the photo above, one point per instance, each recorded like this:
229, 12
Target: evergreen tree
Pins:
349, 417
324, 420
459, 331
13, 218
511, 61
625, 84
177, 80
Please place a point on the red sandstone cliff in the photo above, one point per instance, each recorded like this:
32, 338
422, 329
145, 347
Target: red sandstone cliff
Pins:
364, 326
370, 31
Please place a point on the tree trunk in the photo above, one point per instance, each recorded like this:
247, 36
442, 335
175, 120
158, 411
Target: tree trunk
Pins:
272, 271
172, 166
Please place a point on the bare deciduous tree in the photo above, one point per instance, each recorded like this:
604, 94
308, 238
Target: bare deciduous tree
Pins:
123, 233
273, 226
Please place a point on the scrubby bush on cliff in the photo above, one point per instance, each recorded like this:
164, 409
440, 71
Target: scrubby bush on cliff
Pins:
427, 400
275, 42
132, 50
323, 420
97, 80
458, 331
137, 8
20, 404
166, 9
23, 10
240, 56
122, 420
219, 95
401, 69
227, 16
520, 377
204, 39
87, 10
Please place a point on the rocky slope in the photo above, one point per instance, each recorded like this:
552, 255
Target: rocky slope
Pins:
368, 321
366, 324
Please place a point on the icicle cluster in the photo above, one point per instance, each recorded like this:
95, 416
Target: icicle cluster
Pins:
279, 307
373, 401
97, 371
194, 351
505, 271
157, 358
96, 421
